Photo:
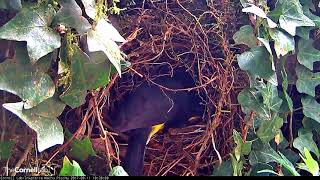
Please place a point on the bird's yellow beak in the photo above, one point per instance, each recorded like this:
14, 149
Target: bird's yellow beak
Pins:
154, 130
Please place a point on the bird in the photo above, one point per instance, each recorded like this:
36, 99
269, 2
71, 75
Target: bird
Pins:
146, 107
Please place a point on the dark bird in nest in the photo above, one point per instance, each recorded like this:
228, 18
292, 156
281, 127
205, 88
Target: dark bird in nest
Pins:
146, 107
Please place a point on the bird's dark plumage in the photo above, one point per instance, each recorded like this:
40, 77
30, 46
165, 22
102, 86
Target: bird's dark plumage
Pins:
146, 106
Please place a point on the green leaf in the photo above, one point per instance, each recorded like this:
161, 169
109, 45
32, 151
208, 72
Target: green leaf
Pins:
32, 25
283, 42
311, 124
245, 36
271, 98
6, 149
70, 15
85, 75
311, 108
100, 40
259, 12
237, 166
238, 140
310, 164
70, 169
292, 16
307, 54
268, 129
225, 169
257, 61
90, 8
118, 171
266, 43
44, 63
19, 77
286, 164
252, 100
108, 31
265, 154
309, 14
82, 149
11, 4
255, 169
43, 120
304, 32
292, 156
307, 3
242, 148
305, 140
307, 80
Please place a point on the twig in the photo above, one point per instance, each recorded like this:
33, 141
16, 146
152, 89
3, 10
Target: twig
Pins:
84, 121
215, 149
105, 136
290, 129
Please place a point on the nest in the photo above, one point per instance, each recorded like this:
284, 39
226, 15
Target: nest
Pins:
164, 36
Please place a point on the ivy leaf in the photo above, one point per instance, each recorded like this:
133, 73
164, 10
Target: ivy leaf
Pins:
263, 155
43, 120
108, 31
283, 42
271, 98
82, 149
305, 31
5, 149
291, 15
266, 43
19, 77
85, 75
237, 166
257, 61
267, 154
11, 5
259, 167
305, 140
252, 100
242, 148
311, 124
259, 12
44, 63
70, 15
32, 25
118, 171
308, 4
309, 164
268, 129
283, 161
311, 108
225, 169
309, 14
307, 54
307, 80
100, 40
245, 36
70, 169
90, 8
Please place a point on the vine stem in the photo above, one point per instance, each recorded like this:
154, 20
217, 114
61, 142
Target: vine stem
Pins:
290, 129
105, 136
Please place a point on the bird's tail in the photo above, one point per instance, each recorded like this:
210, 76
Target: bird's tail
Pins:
134, 158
